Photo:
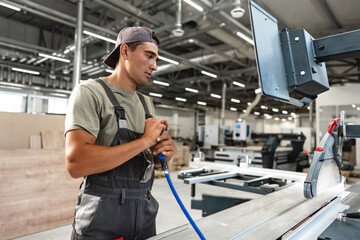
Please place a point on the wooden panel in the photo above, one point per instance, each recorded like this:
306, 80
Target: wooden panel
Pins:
37, 192
35, 142
52, 139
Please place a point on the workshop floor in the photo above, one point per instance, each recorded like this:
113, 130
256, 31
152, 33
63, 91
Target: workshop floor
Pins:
169, 215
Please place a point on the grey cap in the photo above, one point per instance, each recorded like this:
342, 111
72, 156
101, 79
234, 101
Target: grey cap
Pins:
129, 35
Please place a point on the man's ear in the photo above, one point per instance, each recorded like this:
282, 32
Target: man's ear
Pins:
124, 49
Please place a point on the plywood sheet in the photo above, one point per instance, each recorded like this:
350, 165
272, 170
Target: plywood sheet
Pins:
37, 192
35, 142
52, 139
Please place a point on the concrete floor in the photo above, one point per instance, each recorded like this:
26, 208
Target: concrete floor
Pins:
169, 216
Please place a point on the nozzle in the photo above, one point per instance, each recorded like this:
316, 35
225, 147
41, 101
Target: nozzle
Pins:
163, 161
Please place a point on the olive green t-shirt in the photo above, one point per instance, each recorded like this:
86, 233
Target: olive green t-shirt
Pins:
90, 109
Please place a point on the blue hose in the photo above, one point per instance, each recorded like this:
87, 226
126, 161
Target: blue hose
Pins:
165, 168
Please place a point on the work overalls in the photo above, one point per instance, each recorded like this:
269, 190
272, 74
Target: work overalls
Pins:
118, 203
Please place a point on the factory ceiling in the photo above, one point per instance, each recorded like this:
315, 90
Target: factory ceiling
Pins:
205, 40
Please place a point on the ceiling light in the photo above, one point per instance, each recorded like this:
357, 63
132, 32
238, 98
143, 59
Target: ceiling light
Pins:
109, 70
290, 118
10, 6
293, 114
55, 58
180, 99
257, 113
215, 95
283, 119
244, 111
161, 83
238, 84
249, 103
99, 36
284, 112
201, 103
191, 90
277, 119
233, 109
168, 60
155, 94
267, 116
235, 100
25, 71
263, 107
353, 105
209, 74
275, 110
194, 5
358, 108
308, 108
246, 38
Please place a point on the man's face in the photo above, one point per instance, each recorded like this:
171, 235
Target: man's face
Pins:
141, 63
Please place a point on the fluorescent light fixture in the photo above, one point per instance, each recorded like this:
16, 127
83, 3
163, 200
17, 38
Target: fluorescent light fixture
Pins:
161, 83
25, 71
109, 70
235, 100
263, 107
290, 118
353, 105
155, 94
168, 60
308, 108
233, 109
191, 90
215, 95
246, 38
244, 111
257, 113
293, 114
275, 110
238, 84
267, 116
201, 103
53, 57
249, 103
10, 6
284, 112
99, 36
277, 119
283, 119
194, 5
209, 74
180, 99
358, 108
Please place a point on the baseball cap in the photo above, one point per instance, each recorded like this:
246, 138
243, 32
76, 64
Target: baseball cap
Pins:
129, 35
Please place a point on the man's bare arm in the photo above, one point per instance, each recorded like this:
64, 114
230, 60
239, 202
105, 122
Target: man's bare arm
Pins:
84, 157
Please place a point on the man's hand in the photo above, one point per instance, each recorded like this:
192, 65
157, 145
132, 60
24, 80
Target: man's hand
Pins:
166, 146
154, 127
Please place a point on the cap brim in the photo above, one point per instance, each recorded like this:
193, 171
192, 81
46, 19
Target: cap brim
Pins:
112, 58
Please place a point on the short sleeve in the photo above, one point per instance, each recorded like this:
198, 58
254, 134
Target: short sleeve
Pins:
83, 111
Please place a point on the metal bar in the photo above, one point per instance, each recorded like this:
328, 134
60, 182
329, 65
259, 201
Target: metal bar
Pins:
336, 47
78, 38
237, 187
210, 178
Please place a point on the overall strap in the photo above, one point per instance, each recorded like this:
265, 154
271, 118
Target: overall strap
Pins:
119, 111
146, 109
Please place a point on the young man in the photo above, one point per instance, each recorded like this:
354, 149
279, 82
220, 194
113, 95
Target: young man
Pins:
111, 139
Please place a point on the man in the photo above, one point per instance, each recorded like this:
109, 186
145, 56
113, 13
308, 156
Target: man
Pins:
111, 138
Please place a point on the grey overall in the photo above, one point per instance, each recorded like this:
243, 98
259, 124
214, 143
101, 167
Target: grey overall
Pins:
118, 203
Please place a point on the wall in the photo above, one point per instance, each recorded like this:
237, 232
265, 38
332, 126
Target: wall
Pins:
16, 128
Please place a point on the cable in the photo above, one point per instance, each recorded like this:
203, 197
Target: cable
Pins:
163, 161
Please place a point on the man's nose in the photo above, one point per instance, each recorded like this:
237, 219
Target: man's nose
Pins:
153, 65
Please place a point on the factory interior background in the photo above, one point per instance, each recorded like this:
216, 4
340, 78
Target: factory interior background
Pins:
204, 86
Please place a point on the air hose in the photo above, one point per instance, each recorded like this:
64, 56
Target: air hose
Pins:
164, 166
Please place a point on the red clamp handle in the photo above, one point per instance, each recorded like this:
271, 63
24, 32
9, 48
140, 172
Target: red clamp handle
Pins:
332, 124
